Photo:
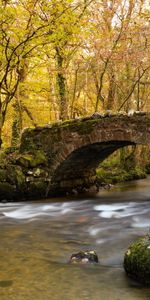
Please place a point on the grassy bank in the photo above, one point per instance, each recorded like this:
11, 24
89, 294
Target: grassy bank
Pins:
117, 174
123, 165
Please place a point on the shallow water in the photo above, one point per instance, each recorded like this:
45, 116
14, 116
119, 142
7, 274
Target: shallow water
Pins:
38, 238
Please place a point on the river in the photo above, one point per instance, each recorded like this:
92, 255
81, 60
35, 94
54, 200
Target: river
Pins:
38, 238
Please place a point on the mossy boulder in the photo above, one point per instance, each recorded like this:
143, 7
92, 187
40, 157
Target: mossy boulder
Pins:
137, 260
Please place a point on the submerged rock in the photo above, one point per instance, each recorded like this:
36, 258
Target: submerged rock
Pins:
137, 260
84, 257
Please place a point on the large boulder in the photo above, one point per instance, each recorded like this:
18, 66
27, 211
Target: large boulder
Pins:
137, 260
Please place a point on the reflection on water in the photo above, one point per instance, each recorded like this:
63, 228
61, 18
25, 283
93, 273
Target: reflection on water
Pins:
37, 239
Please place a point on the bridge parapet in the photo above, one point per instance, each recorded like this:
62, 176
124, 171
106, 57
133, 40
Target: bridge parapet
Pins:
81, 132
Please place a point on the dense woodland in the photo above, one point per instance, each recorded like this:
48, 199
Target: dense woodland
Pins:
70, 58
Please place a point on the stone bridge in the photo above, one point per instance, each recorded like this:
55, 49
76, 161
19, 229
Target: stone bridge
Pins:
72, 150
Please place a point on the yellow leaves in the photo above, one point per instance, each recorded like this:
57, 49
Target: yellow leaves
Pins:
87, 41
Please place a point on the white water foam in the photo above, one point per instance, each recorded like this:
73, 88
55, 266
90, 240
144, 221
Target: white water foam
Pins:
139, 222
34, 211
121, 210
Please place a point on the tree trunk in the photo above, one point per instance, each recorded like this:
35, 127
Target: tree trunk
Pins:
61, 84
111, 92
17, 114
3, 110
1, 134
17, 124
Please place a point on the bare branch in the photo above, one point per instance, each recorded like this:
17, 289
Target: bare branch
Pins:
133, 88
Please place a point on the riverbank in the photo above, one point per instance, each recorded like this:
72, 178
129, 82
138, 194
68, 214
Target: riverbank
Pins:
107, 175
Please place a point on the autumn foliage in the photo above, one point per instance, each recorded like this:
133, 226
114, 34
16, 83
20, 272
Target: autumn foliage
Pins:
63, 59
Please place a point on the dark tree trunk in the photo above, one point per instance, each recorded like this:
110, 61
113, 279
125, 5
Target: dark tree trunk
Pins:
61, 84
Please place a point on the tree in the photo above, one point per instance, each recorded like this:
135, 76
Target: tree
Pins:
118, 42
65, 41
24, 29
16, 42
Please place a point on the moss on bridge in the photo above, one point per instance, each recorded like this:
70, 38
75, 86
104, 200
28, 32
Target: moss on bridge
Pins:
80, 127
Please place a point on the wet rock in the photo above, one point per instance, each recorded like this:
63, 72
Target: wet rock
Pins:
108, 113
137, 260
74, 192
93, 189
108, 186
131, 112
37, 172
141, 113
96, 115
84, 257
121, 113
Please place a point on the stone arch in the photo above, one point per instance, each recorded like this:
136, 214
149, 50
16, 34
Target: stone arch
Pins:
73, 149
79, 167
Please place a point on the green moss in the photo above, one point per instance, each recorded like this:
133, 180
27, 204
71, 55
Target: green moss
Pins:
2, 155
80, 126
33, 160
116, 175
112, 176
3, 158
25, 160
3, 175
137, 260
64, 123
27, 140
20, 177
138, 173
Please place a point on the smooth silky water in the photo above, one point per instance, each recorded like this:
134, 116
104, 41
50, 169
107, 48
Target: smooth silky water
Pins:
38, 238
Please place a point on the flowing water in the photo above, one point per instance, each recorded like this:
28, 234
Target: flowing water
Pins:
38, 238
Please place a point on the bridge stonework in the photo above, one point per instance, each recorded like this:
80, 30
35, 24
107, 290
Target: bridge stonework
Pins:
74, 149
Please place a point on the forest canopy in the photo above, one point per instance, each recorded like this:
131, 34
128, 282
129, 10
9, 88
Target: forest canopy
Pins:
61, 59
